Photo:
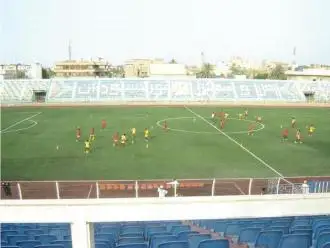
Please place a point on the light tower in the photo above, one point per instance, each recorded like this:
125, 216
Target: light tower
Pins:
70, 50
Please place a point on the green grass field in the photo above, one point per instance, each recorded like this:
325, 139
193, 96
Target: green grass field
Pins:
192, 149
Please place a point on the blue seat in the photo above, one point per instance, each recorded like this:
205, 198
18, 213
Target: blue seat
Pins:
65, 243
302, 231
269, 239
195, 239
105, 236
128, 235
12, 239
67, 237
158, 234
284, 229
248, 235
214, 243
180, 228
154, 229
322, 239
232, 230
131, 240
28, 243
45, 239
301, 227
301, 222
3, 243
295, 241
6, 233
49, 246
132, 229
174, 244
10, 246
185, 234
59, 232
157, 240
105, 242
327, 245
143, 245
108, 229
319, 229
220, 227
321, 222
101, 245
34, 232
170, 224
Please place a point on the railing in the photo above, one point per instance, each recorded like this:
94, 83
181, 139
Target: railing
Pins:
149, 188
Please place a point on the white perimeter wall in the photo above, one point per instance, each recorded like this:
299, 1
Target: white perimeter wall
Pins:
81, 213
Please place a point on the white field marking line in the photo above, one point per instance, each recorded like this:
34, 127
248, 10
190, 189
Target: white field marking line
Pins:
90, 191
240, 145
19, 122
238, 188
34, 123
235, 185
158, 123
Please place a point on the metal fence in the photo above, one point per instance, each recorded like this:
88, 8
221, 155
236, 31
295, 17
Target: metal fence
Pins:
149, 188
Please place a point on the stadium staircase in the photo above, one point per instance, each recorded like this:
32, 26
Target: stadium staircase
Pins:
286, 232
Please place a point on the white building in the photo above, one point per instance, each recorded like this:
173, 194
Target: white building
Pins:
168, 71
21, 71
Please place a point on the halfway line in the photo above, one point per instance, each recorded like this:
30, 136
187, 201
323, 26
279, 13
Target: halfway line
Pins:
19, 122
240, 145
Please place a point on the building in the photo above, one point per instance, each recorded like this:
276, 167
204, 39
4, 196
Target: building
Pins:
309, 75
167, 70
153, 68
21, 71
81, 68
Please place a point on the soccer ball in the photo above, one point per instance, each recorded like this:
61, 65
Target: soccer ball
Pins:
281, 126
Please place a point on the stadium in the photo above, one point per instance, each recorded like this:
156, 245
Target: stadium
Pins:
193, 183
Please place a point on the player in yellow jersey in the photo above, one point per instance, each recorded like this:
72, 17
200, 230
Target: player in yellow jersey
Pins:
240, 116
133, 130
146, 136
87, 146
123, 140
311, 129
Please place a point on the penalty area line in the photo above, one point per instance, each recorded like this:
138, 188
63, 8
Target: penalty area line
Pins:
237, 143
19, 122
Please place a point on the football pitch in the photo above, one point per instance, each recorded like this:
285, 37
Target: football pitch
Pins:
40, 144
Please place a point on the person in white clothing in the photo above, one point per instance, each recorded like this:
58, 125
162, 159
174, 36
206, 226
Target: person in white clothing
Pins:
305, 187
162, 192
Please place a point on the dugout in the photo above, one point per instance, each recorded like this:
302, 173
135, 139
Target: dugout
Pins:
310, 96
39, 96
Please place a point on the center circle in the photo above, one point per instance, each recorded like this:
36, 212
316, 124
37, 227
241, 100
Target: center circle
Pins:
159, 124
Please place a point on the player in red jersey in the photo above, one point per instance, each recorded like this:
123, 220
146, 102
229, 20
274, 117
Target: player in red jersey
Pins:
92, 134
115, 139
251, 129
165, 126
285, 134
222, 123
78, 134
103, 124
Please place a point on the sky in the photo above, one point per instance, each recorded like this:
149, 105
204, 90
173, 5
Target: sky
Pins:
39, 30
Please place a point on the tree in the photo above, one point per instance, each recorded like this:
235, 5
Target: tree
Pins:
47, 73
237, 70
277, 73
173, 61
206, 71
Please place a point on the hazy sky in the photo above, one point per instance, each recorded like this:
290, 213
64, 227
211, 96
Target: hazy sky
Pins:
39, 30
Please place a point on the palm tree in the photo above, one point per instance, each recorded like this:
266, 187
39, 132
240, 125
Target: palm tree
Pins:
206, 71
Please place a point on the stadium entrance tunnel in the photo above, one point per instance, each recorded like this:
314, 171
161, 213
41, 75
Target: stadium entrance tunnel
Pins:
39, 96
